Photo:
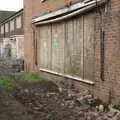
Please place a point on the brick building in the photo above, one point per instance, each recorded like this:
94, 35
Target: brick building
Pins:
12, 35
5, 14
76, 41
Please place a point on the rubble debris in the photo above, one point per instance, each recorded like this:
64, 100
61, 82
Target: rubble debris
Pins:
45, 101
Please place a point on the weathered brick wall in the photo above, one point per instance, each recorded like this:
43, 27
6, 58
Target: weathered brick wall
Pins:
115, 5
107, 90
50, 5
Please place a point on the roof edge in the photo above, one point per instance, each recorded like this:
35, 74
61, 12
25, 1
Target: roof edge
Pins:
65, 11
12, 16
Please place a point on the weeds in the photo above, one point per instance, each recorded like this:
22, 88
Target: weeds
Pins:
28, 77
6, 83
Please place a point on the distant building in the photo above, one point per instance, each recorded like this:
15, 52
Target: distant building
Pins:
5, 14
11, 32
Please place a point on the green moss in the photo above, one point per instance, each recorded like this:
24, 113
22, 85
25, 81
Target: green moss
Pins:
6, 83
28, 77
117, 107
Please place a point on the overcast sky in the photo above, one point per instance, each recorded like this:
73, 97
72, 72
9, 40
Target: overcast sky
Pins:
11, 5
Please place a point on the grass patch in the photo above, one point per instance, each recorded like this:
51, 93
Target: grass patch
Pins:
117, 107
6, 83
28, 77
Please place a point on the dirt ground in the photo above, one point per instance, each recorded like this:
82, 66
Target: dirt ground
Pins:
46, 101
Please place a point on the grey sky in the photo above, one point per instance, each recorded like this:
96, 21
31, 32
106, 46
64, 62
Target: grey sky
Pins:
11, 5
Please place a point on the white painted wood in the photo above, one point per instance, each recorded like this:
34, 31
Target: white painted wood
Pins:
68, 76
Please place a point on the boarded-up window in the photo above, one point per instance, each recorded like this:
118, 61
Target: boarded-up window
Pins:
89, 46
12, 25
18, 22
58, 39
74, 47
6, 27
68, 46
2, 29
44, 47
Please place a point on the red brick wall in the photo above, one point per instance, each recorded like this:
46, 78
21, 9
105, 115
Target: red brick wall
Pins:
107, 90
115, 5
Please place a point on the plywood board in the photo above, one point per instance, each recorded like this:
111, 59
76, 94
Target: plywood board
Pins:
74, 47
44, 48
89, 45
58, 38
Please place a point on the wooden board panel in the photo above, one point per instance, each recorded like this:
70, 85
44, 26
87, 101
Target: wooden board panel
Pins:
58, 37
37, 46
44, 48
74, 47
68, 47
89, 22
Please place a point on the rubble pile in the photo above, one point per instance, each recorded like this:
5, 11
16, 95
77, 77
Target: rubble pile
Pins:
52, 103
46, 101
